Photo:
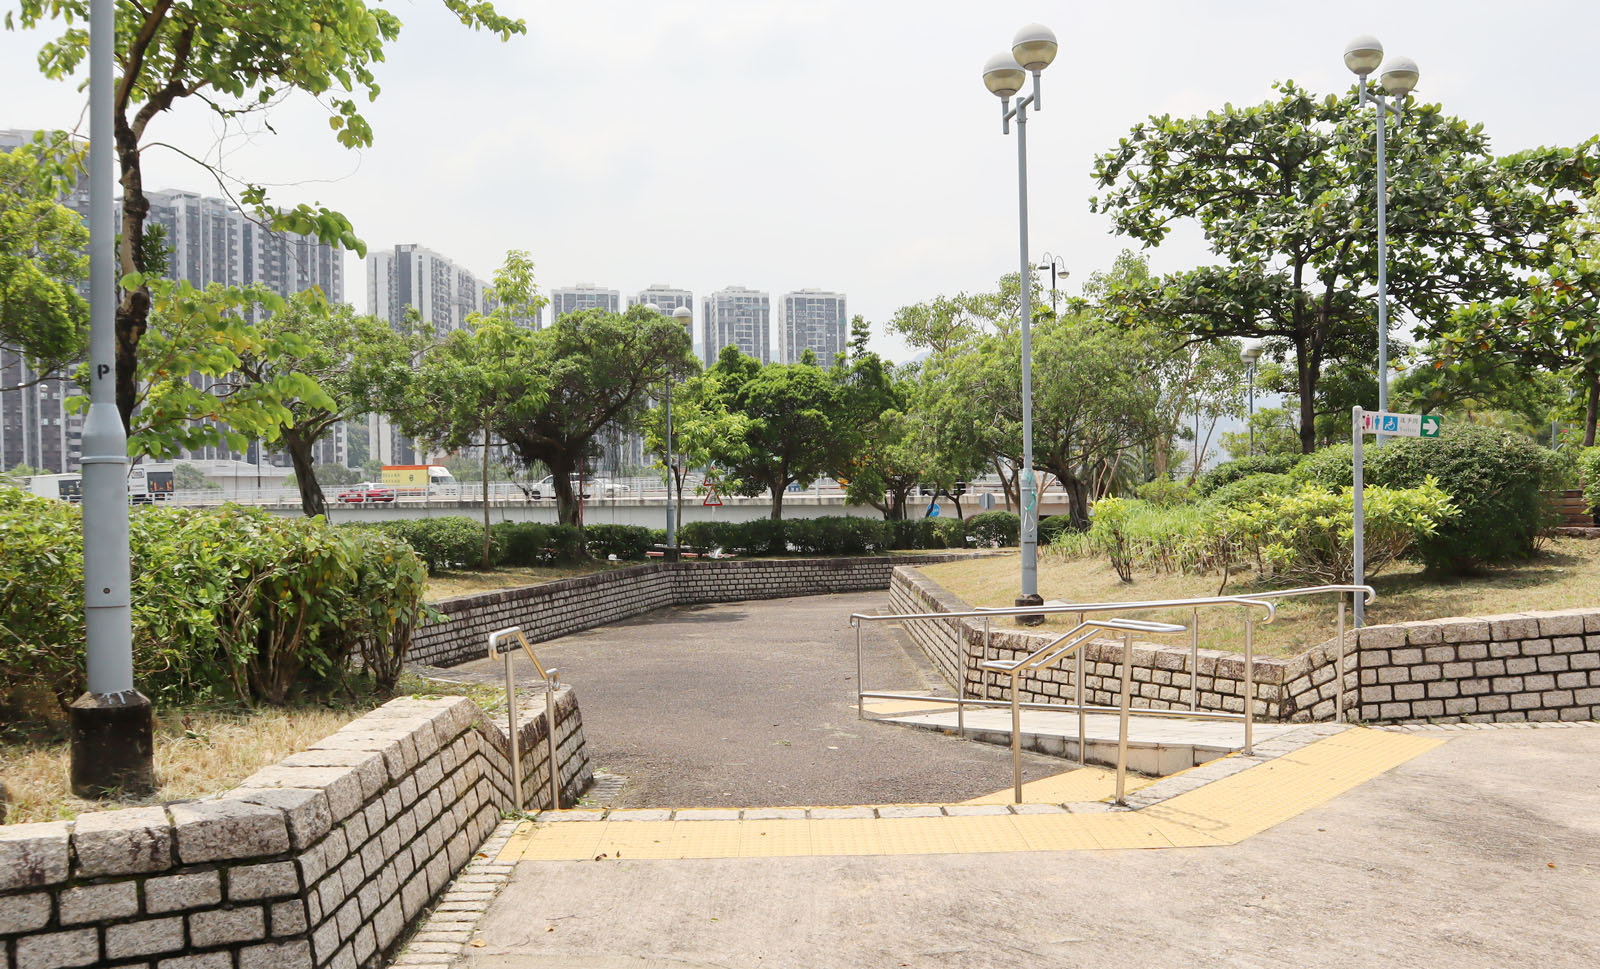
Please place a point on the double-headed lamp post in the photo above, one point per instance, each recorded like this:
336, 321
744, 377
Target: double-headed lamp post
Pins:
685, 317
1058, 269
1399, 77
1250, 352
1032, 50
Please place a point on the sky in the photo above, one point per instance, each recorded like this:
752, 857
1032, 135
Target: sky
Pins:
847, 146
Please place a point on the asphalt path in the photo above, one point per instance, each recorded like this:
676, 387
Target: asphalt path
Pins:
754, 704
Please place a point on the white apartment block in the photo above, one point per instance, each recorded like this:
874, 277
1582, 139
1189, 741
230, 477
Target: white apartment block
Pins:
664, 296
444, 293
736, 317
584, 296
814, 320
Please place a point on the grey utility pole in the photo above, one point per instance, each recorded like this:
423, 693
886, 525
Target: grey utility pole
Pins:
1032, 50
112, 753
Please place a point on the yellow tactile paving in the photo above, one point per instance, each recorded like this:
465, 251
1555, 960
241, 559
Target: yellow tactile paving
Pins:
898, 708
1223, 812
1082, 784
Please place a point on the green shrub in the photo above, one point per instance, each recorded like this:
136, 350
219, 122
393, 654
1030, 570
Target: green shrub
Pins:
626, 542
949, 533
1307, 533
1164, 492
531, 544
912, 533
1051, 528
1229, 471
448, 542
1589, 469
995, 529
1332, 468
228, 602
1109, 534
1250, 488
839, 535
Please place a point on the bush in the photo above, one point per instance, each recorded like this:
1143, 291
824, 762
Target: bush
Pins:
839, 535
443, 543
995, 529
226, 602
1051, 528
1332, 467
1307, 533
912, 533
1589, 469
626, 542
949, 533
1109, 534
1164, 492
531, 544
1230, 471
1250, 488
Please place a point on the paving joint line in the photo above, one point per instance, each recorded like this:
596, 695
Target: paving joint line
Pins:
451, 924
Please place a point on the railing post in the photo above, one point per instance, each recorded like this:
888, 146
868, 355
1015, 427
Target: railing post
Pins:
1077, 677
1338, 714
1194, 658
1249, 683
861, 713
555, 762
1016, 735
511, 725
1122, 728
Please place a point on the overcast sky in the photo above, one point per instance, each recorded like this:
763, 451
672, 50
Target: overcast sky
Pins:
848, 146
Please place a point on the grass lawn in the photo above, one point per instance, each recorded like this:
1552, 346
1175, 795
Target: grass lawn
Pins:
1566, 575
447, 585
198, 751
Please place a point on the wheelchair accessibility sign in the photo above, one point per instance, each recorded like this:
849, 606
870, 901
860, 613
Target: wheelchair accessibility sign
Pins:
1400, 425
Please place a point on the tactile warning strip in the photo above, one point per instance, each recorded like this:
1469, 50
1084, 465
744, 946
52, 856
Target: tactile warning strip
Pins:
1225, 811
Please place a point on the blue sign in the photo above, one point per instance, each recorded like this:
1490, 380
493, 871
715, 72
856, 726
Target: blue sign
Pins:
1391, 422
933, 510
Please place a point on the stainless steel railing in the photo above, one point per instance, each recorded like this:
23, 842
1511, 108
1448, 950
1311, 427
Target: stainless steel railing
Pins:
1263, 600
551, 682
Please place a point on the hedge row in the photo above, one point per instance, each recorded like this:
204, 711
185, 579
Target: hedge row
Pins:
228, 603
456, 542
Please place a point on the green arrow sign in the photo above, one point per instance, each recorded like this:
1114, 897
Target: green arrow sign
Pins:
1430, 425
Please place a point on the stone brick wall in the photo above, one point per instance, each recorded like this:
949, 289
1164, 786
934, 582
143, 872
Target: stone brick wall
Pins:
1161, 677
583, 602
318, 861
1526, 666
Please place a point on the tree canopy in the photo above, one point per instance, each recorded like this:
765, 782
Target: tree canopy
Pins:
43, 319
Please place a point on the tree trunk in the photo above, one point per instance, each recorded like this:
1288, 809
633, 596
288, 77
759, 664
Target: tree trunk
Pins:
133, 309
679, 496
1308, 407
312, 501
777, 500
1077, 501
561, 483
1593, 410
486, 562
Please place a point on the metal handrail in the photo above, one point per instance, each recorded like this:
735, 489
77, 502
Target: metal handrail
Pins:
1051, 654
1043, 656
551, 681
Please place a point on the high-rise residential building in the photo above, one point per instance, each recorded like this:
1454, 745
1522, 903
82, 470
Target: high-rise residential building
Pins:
736, 317
584, 296
35, 427
663, 296
211, 241
444, 293
813, 320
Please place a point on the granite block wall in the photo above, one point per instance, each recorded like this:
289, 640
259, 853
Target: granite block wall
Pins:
318, 861
583, 602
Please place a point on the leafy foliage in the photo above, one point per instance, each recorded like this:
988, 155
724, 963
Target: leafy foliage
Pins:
43, 319
1230, 471
995, 529
626, 542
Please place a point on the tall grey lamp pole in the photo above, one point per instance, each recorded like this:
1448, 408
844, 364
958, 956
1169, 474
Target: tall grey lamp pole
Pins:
685, 316
1055, 265
1032, 50
1363, 55
112, 752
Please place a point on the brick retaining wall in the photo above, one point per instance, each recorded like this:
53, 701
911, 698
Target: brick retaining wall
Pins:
1526, 666
583, 602
318, 861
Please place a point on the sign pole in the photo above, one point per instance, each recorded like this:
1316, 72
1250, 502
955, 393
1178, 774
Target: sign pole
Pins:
1359, 539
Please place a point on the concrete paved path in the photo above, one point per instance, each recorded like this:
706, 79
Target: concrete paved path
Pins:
754, 704
1483, 852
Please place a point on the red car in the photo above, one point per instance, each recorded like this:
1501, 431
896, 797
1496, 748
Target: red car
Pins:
363, 493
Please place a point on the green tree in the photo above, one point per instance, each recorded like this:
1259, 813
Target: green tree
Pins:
793, 412
702, 428
43, 320
1549, 324
880, 451
187, 477
236, 58
480, 379
585, 371
1283, 192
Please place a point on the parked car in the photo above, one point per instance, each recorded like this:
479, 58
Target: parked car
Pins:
366, 492
546, 487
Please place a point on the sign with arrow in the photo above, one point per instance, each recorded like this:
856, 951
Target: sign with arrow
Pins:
1400, 425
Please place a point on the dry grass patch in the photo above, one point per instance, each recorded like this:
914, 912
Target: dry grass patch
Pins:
1566, 575
448, 585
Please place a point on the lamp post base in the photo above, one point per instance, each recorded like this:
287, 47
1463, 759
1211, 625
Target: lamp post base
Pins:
112, 746
1033, 600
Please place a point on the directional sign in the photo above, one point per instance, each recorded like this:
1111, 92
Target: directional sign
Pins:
1400, 425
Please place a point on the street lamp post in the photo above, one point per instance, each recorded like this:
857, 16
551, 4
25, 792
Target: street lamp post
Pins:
1363, 55
112, 752
684, 316
1032, 50
1055, 265
1250, 352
